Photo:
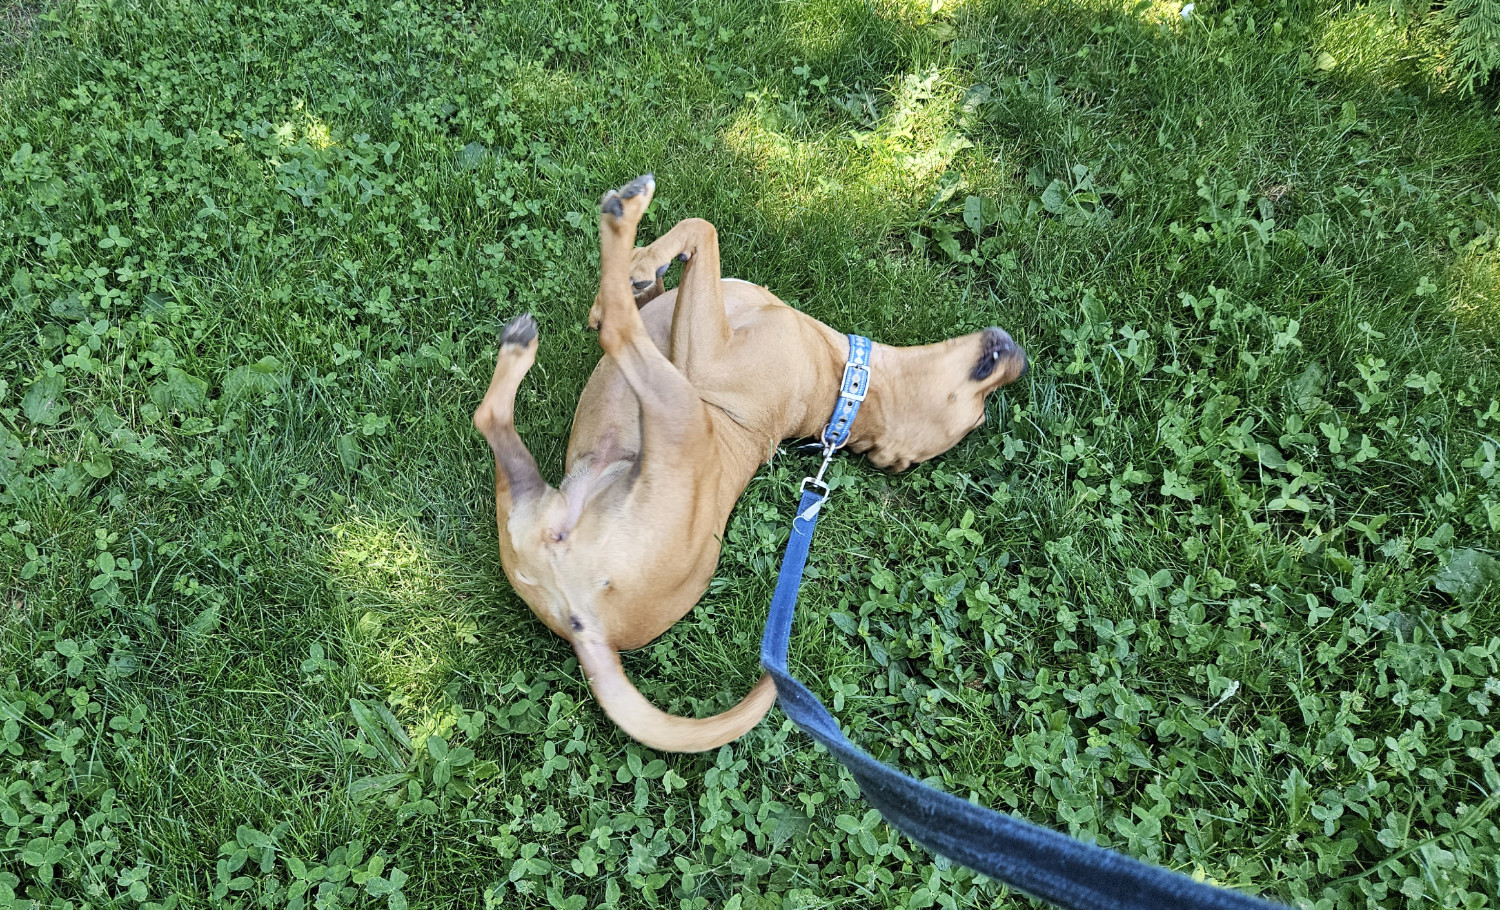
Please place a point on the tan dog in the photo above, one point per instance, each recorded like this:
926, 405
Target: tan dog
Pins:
694, 391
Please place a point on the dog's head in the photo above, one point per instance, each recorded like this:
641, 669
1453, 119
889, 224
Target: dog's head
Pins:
929, 397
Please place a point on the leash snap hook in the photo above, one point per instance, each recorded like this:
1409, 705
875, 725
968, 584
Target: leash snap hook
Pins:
817, 481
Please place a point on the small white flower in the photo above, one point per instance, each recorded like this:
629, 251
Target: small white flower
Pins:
1187, 11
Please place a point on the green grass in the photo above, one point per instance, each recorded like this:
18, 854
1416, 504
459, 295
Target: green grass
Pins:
1215, 585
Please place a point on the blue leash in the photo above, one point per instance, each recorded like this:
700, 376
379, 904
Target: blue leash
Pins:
1039, 861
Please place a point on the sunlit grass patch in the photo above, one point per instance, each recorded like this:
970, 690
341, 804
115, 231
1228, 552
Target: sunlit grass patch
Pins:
304, 127
1168, 13
1475, 296
875, 167
1380, 44
541, 92
382, 560
397, 599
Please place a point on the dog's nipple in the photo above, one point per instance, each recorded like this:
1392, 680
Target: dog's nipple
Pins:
559, 536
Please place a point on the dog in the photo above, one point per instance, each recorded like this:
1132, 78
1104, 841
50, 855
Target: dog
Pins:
696, 387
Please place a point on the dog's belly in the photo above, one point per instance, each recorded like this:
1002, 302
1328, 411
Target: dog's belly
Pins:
633, 575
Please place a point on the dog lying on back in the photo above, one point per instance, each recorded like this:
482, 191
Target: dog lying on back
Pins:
696, 387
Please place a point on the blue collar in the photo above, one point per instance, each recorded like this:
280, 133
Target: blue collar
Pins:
852, 391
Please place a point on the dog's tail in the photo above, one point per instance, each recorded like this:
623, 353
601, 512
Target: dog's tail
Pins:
648, 724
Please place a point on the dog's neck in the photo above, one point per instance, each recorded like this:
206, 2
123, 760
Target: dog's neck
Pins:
882, 428
889, 368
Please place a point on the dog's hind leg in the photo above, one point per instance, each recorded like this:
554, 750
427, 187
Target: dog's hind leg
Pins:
700, 325
672, 414
516, 477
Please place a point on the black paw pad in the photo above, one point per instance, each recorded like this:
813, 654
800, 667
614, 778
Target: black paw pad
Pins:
611, 205
521, 330
663, 270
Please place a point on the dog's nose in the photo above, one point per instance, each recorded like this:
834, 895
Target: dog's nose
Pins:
997, 346
998, 341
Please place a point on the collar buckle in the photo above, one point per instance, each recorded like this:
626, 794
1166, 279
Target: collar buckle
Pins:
855, 385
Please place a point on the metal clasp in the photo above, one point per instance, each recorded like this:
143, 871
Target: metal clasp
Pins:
817, 481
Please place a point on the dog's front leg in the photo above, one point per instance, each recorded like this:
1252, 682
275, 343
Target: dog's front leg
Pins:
673, 418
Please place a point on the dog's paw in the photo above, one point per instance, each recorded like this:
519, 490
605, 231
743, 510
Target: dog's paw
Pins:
646, 272
520, 331
626, 204
645, 282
